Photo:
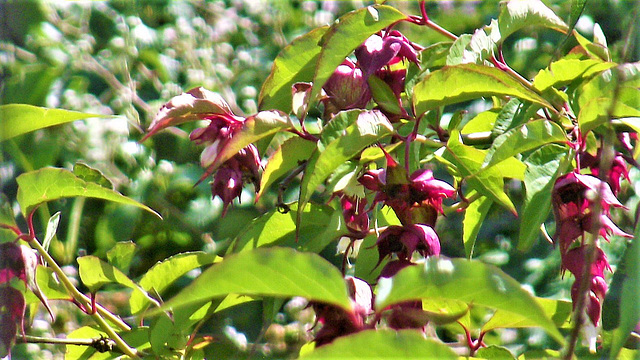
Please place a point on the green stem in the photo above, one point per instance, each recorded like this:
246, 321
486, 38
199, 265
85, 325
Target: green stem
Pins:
74, 229
80, 298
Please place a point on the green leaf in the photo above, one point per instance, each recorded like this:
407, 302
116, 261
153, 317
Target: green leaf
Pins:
494, 352
96, 273
483, 122
18, 119
91, 175
470, 281
597, 111
524, 138
559, 311
564, 71
505, 117
288, 156
383, 95
121, 255
49, 285
262, 124
48, 184
516, 15
488, 182
349, 32
164, 273
442, 312
137, 338
458, 83
629, 304
383, 344
279, 229
368, 128
7, 217
335, 128
476, 48
52, 229
295, 63
473, 218
279, 272
543, 168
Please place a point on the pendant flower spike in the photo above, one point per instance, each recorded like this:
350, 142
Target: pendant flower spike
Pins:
201, 104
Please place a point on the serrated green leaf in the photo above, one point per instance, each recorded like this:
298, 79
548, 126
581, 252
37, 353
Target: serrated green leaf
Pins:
454, 84
336, 127
383, 344
543, 168
474, 216
597, 111
470, 281
91, 175
516, 15
368, 128
164, 273
48, 184
457, 50
559, 311
279, 272
18, 119
505, 117
349, 32
524, 138
288, 156
261, 125
564, 71
279, 229
295, 63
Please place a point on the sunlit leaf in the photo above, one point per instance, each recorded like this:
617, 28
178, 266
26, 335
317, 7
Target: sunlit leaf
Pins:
383, 95
137, 338
279, 272
346, 35
164, 273
564, 71
121, 255
465, 280
494, 352
91, 175
516, 15
368, 128
295, 63
559, 311
524, 138
18, 119
474, 216
48, 184
454, 84
598, 111
383, 344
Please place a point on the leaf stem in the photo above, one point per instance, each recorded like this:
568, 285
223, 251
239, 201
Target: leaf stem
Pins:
80, 298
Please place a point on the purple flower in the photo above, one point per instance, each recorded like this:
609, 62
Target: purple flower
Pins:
347, 88
12, 308
380, 50
355, 215
404, 240
572, 206
227, 184
617, 171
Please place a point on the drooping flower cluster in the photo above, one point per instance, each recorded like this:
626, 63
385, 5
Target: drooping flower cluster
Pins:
573, 199
202, 104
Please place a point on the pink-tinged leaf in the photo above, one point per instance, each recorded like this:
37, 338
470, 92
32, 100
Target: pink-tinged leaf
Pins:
12, 307
189, 106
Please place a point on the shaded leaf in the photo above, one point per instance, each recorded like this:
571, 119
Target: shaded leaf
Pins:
441, 312
18, 119
544, 166
474, 216
12, 308
465, 280
295, 63
164, 273
48, 184
279, 272
137, 338
559, 311
121, 254
494, 352
52, 229
383, 344
288, 156
516, 15
349, 32
454, 84
7, 218
383, 95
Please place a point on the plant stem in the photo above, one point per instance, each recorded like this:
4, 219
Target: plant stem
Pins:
55, 341
74, 229
80, 298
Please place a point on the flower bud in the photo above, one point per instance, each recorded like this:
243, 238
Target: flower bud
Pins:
347, 88
227, 184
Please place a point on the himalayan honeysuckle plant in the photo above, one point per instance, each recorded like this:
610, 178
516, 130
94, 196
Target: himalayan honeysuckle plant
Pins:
359, 132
